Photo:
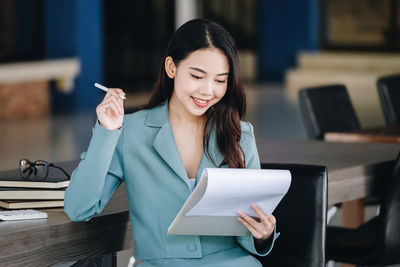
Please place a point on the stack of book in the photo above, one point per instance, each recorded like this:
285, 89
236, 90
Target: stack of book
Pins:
17, 193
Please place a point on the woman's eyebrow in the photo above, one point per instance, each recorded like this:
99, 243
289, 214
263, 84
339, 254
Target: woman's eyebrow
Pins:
203, 71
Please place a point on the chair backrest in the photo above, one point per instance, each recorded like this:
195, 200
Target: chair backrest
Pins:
301, 218
389, 239
389, 95
327, 109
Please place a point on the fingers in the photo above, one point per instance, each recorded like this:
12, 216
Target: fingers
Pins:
110, 104
247, 218
263, 217
251, 229
112, 101
116, 92
120, 93
117, 103
110, 112
261, 229
106, 107
256, 228
272, 219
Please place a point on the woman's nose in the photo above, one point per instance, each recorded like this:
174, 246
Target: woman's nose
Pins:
207, 88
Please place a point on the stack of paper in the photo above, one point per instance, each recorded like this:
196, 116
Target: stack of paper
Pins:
212, 207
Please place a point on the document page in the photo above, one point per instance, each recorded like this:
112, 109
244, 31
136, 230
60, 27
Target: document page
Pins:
221, 192
231, 190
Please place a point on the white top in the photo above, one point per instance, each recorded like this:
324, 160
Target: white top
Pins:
192, 182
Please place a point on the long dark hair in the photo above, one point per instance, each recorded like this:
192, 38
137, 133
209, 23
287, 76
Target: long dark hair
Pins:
226, 114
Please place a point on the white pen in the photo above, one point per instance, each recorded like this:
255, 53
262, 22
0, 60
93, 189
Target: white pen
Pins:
106, 89
131, 262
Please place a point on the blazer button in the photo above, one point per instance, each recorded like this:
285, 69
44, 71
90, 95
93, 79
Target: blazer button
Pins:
191, 247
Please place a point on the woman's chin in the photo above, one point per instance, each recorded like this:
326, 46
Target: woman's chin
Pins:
198, 111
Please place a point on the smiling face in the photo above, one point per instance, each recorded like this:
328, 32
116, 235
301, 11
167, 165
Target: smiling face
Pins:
200, 81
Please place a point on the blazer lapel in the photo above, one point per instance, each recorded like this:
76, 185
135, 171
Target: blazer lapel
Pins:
215, 154
164, 141
164, 144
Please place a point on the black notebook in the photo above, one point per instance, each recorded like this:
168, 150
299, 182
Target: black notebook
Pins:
12, 179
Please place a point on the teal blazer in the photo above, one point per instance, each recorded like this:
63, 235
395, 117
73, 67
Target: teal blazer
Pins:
143, 154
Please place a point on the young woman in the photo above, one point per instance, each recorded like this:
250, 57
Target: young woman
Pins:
191, 122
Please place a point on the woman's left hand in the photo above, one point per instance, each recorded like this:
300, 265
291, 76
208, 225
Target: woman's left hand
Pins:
261, 229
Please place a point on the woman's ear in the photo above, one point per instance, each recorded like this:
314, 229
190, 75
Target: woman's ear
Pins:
170, 67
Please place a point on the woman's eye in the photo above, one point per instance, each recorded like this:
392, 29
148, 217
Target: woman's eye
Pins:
196, 77
219, 81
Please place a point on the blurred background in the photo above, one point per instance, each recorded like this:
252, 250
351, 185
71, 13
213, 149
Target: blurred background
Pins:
52, 52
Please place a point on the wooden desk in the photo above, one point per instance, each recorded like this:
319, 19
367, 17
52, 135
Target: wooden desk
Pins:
351, 168
383, 134
353, 211
57, 239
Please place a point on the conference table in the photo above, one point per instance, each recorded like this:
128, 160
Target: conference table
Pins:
353, 211
378, 134
353, 170
351, 166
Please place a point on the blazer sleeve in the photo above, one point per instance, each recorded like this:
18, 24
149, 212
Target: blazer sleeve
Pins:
253, 162
97, 176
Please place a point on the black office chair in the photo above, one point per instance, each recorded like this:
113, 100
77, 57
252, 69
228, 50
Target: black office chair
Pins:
389, 95
327, 109
301, 219
376, 242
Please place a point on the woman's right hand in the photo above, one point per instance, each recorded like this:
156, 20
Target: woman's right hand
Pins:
110, 112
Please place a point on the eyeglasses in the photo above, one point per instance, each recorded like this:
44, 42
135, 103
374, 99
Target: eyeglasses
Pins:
39, 168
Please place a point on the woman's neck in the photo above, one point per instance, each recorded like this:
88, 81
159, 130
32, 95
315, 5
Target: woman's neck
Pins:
178, 115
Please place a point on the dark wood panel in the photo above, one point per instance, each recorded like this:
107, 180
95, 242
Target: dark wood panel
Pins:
67, 242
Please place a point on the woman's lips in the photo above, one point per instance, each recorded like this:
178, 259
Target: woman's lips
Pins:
200, 102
